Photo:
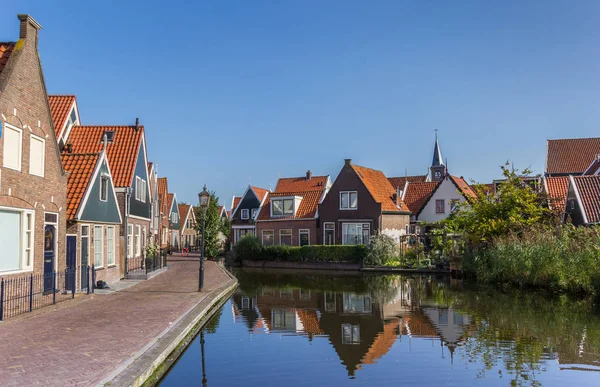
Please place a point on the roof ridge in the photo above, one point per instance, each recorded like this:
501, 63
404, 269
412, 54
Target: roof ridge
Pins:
61, 95
81, 154
108, 126
371, 169
573, 138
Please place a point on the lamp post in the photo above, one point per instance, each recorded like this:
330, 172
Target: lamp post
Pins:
202, 349
204, 198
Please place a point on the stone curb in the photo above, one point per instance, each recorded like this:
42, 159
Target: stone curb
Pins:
144, 363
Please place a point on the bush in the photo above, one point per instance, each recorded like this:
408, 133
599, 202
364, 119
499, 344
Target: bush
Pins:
383, 250
247, 248
315, 253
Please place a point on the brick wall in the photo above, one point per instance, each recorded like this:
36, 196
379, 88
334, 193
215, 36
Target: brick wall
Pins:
294, 225
24, 104
394, 225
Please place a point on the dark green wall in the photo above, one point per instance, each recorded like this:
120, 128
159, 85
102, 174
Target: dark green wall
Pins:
141, 170
99, 211
249, 202
174, 210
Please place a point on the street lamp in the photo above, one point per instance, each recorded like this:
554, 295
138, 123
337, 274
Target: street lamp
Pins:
204, 198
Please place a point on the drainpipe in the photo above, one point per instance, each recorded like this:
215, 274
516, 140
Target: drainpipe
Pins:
127, 203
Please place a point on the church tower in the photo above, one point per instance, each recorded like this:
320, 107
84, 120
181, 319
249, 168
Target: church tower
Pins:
437, 171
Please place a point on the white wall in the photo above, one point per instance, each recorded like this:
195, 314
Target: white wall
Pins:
446, 191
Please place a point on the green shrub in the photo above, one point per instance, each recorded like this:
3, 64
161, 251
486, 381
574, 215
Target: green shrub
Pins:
315, 253
382, 250
247, 248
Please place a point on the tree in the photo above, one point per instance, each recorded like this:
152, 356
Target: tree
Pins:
225, 230
515, 206
212, 225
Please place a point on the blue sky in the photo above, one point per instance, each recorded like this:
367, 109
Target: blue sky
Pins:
235, 90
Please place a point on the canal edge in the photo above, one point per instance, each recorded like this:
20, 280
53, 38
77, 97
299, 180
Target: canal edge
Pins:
152, 362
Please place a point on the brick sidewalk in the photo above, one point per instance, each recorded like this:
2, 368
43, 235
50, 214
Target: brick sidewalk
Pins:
83, 341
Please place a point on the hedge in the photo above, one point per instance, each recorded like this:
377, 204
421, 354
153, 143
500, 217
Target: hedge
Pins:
250, 249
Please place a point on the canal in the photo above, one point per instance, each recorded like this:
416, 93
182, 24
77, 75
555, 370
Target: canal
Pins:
285, 328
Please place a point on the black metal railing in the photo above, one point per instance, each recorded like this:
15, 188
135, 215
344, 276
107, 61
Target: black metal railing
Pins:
140, 265
135, 265
156, 262
33, 291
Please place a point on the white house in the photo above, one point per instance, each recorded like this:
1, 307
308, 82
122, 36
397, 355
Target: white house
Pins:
449, 191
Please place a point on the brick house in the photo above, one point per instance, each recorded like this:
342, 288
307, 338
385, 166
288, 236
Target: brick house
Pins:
173, 216
188, 226
361, 203
93, 218
583, 200
289, 215
154, 234
163, 206
33, 198
243, 215
126, 153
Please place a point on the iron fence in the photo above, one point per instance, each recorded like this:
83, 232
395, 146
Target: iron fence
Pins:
141, 265
25, 293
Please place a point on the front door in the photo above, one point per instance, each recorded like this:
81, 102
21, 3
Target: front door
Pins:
71, 261
49, 256
85, 252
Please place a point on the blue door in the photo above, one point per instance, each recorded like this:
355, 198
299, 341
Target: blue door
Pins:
71, 261
49, 256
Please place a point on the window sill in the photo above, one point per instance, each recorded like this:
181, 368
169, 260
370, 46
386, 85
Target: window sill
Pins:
11, 168
349, 209
111, 266
18, 271
98, 267
35, 174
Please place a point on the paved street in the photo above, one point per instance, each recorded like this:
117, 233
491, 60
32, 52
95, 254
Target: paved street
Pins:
81, 342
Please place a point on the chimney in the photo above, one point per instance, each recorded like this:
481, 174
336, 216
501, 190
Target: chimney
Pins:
137, 124
395, 197
347, 161
69, 148
29, 27
308, 175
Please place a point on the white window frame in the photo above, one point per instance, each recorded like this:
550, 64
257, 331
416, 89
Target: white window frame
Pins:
291, 235
362, 228
349, 193
325, 229
110, 252
303, 231
101, 249
138, 240
130, 241
263, 236
43, 141
245, 214
23, 267
104, 178
283, 213
140, 189
254, 212
20, 131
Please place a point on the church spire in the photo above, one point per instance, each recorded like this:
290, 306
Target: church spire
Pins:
437, 153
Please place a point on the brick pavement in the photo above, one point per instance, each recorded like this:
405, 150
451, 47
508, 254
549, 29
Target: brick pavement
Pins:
83, 341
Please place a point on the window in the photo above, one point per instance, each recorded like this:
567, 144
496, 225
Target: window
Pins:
37, 151
356, 233
350, 334
109, 134
304, 237
304, 295
283, 319
130, 240
16, 239
285, 237
98, 246
329, 233
50, 217
286, 294
268, 237
13, 142
245, 214
439, 206
454, 205
330, 305
140, 189
254, 212
104, 188
357, 303
348, 200
110, 245
72, 121
280, 207
138, 242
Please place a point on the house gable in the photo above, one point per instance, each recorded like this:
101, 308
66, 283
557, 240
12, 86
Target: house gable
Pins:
93, 209
249, 201
573, 206
446, 190
141, 208
174, 214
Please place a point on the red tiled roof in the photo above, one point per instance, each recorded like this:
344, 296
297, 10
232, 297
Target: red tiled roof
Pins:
183, 211
593, 167
300, 184
307, 209
589, 192
379, 187
399, 182
557, 192
417, 194
122, 152
236, 201
571, 155
464, 187
383, 342
6, 48
310, 321
80, 168
261, 192
169, 202
60, 107
163, 186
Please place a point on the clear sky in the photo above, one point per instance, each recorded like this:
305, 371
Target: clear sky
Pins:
235, 90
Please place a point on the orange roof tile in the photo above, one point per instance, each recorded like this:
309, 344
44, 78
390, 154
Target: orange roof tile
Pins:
380, 188
261, 192
464, 187
400, 182
571, 155
60, 107
417, 194
383, 342
236, 201
310, 321
80, 168
6, 48
556, 188
299, 184
122, 152
169, 202
307, 209
183, 212
589, 192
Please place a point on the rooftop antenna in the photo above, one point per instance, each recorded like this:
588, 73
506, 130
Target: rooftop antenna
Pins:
137, 123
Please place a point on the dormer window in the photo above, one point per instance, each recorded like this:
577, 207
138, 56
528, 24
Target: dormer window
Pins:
281, 207
73, 120
348, 200
109, 134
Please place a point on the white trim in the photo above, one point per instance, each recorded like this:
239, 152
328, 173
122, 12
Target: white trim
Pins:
81, 236
576, 190
261, 201
247, 214
23, 212
303, 231
291, 235
38, 138
286, 219
12, 127
114, 252
293, 198
324, 230
139, 218
262, 236
64, 126
242, 227
102, 178
349, 208
101, 245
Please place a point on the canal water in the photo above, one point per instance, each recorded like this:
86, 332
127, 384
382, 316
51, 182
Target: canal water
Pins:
285, 328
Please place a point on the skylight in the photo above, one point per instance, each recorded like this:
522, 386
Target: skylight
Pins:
110, 135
